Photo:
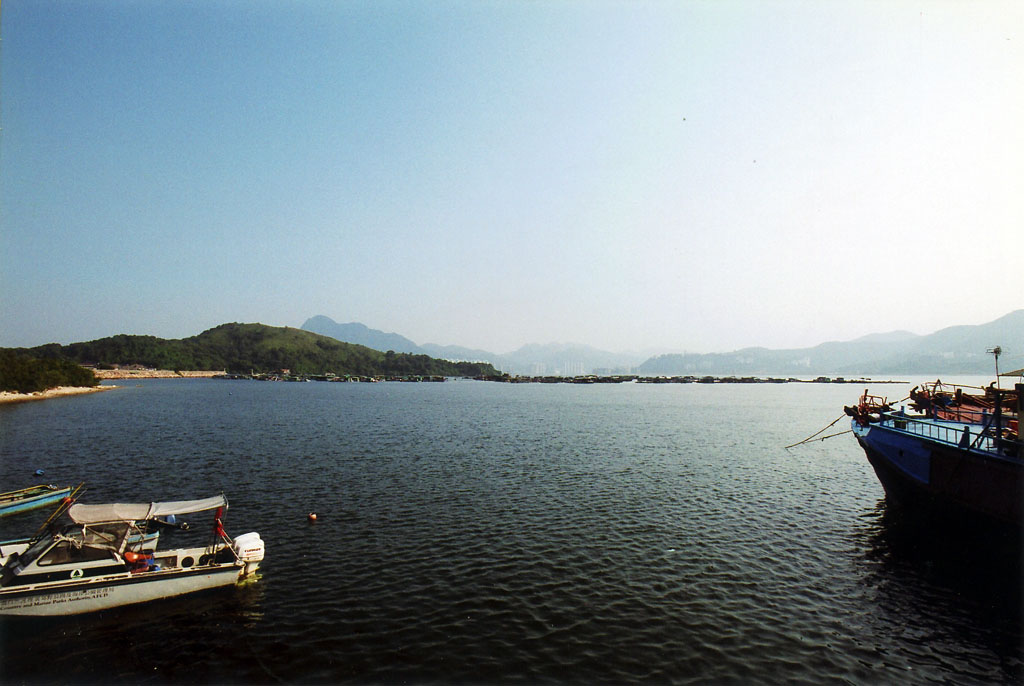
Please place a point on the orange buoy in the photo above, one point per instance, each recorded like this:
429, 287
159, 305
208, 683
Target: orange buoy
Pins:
312, 516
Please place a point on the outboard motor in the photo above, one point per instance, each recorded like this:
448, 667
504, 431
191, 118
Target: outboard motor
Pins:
250, 549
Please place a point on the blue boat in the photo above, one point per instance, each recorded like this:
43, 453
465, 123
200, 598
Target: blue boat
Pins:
30, 498
957, 452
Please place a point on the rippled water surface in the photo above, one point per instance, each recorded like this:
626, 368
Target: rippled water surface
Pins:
481, 533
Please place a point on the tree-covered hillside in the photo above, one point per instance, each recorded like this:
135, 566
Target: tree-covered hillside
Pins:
257, 348
26, 374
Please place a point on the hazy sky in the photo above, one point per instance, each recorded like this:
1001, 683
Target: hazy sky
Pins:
698, 176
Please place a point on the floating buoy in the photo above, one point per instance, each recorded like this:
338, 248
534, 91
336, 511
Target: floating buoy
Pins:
312, 516
39, 472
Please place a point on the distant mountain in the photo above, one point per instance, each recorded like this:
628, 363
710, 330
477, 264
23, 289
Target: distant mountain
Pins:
891, 337
553, 358
254, 347
566, 359
954, 350
456, 352
961, 349
360, 334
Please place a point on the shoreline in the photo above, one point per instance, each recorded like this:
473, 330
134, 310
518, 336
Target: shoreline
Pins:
105, 374
7, 397
11, 397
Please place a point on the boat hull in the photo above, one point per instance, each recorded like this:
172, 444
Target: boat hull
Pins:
17, 505
101, 593
930, 477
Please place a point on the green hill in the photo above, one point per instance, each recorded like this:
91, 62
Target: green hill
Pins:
257, 348
26, 374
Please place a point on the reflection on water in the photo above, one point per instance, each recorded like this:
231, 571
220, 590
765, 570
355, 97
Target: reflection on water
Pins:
162, 640
949, 584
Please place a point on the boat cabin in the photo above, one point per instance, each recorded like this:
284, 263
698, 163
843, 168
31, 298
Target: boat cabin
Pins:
91, 549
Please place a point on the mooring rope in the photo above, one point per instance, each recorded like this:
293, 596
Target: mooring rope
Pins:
822, 429
841, 433
825, 428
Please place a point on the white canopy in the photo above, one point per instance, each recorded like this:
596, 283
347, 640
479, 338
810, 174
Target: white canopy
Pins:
115, 512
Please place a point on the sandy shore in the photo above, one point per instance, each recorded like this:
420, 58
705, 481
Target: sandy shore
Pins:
60, 391
103, 374
150, 374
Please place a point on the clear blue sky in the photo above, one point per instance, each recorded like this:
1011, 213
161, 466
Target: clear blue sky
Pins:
698, 176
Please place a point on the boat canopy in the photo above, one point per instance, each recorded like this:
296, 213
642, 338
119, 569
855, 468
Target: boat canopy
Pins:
113, 512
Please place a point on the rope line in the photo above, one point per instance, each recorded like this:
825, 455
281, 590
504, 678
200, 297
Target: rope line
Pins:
822, 429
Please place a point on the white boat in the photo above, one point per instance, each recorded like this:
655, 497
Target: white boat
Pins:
103, 559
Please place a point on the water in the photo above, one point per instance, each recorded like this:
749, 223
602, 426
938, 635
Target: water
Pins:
481, 533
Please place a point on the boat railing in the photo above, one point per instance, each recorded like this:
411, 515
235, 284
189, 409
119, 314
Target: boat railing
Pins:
958, 413
976, 437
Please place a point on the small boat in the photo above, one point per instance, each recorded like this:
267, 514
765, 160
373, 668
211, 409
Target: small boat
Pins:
959, 452
96, 557
31, 498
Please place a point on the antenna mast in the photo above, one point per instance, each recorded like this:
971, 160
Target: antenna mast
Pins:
996, 352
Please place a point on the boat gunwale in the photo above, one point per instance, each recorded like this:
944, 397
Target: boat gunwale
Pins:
55, 494
42, 489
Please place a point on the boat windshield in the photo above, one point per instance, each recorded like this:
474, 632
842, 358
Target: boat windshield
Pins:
104, 537
34, 550
108, 536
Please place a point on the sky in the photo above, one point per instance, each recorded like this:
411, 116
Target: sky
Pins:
642, 175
